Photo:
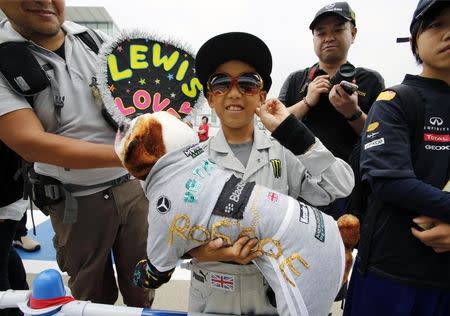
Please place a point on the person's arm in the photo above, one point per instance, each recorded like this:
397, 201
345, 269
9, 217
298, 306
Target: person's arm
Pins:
320, 85
146, 275
314, 171
413, 195
387, 164
240, 252
347, 105
437, 237
201, 130
22, 131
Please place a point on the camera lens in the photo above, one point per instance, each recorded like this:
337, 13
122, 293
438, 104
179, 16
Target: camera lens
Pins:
346, 72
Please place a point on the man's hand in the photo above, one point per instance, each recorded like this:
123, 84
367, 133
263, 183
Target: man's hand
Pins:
241, 252
437, 237
344, 103
320, 85
272, 112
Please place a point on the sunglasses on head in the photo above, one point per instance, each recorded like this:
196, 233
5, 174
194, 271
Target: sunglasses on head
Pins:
247, 83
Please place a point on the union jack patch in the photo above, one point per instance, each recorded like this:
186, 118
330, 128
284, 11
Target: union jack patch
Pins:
272, 196
222, 281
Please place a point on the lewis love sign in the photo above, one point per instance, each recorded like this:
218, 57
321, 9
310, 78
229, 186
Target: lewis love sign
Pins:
144, 73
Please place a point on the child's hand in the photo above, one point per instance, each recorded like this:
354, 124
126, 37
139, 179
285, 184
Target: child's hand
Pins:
272, 113
241, 251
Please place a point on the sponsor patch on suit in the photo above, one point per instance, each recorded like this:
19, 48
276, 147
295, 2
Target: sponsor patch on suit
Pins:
233, 198
222, 281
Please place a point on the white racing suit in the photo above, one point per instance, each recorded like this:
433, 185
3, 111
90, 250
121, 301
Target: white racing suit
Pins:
193, 201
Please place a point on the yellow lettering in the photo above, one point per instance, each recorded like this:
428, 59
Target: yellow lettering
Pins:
179, 230
248, 231
117, 75
192, 90
203, 230
136, 58
168, 62
275, 243
182, 70
288, 262
217, 225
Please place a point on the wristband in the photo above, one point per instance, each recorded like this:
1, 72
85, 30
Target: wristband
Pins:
355, 116
306, 103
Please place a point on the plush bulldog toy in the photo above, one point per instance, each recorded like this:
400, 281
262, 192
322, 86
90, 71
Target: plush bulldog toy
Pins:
193, 201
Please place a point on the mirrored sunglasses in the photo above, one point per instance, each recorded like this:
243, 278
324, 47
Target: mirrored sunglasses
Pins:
246, 83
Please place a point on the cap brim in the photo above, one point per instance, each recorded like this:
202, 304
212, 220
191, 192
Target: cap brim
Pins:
234, 46
317, 18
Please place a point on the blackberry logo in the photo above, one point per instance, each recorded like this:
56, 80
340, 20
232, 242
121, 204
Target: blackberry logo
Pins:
236, 194
229, 208
163, 205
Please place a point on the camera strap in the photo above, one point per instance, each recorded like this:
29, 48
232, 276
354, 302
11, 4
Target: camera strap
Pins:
311, 73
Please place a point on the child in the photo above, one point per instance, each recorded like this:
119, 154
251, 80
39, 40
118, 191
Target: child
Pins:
203, 129
234, 69
406, 271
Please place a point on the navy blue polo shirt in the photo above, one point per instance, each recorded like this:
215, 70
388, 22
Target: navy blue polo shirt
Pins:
408, 185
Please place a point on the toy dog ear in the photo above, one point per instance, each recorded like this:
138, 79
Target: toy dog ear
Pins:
144, 150
348, 225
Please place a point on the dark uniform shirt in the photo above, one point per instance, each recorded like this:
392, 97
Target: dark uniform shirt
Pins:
323, 120
386, 157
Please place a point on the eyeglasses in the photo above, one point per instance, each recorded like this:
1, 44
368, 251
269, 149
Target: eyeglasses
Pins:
247, 83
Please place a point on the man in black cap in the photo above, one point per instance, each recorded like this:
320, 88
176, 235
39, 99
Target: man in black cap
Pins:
235, 70
403, 262
316, 96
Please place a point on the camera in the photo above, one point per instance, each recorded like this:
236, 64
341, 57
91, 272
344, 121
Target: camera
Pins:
348, 87
347, 74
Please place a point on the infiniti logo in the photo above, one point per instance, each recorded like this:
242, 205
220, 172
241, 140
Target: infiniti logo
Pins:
436, 121
330, 6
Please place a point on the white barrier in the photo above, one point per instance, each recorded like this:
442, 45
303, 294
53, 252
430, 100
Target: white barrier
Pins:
12, 299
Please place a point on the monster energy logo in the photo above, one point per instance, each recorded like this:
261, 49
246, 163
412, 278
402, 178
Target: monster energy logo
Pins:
276, 166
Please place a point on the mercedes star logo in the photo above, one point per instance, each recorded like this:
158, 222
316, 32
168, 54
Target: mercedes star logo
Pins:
436, 121
163, 205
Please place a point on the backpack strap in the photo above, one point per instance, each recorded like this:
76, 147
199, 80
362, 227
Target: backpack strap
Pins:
414, 108
30, 78
20, 68
91, 39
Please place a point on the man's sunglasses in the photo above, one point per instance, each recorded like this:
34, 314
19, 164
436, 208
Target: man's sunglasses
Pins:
247, 83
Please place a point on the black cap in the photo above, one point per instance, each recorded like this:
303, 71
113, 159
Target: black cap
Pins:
422, 8
341, 9
234, 46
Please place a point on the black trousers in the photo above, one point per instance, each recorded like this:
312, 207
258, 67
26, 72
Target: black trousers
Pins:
12, 272
21, 229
